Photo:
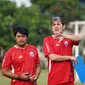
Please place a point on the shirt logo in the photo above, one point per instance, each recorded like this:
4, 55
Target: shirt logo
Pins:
66, 43
32, 54
20, 56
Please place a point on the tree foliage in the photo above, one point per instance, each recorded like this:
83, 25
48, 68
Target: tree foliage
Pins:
35, 18
69, 10
6, 20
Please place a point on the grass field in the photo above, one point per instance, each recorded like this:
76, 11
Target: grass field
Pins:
41, 81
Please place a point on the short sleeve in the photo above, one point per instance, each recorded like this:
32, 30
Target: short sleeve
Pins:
7, 61
47, 47
75, 43
38, 58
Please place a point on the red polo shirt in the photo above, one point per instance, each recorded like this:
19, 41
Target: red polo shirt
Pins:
21, 61
59, 71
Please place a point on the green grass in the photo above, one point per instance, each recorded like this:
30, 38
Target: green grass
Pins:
43, 78
41, 81
4, 80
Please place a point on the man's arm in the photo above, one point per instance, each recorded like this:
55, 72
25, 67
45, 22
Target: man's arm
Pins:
38, 70
9, 74
75, 38
55, 57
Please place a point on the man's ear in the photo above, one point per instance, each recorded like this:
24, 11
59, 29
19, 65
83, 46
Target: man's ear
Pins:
63, 27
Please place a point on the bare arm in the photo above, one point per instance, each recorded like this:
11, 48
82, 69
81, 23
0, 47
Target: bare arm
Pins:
9, 74
75, 38
38, 70
55, 57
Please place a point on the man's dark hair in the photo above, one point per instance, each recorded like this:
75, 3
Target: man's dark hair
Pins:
21, 30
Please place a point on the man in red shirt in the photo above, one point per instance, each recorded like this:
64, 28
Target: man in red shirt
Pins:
58, 51
21, 63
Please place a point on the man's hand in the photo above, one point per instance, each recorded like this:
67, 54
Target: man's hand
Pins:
59, 36
25, 76
33, 78
74, 59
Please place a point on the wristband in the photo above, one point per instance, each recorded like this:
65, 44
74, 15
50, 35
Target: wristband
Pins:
19, 77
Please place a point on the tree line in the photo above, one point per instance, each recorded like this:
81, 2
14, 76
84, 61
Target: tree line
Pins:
35, 18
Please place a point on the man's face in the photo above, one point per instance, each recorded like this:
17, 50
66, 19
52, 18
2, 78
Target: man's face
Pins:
57, 27
21, 39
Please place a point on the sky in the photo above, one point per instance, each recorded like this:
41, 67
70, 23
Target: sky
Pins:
19, 2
